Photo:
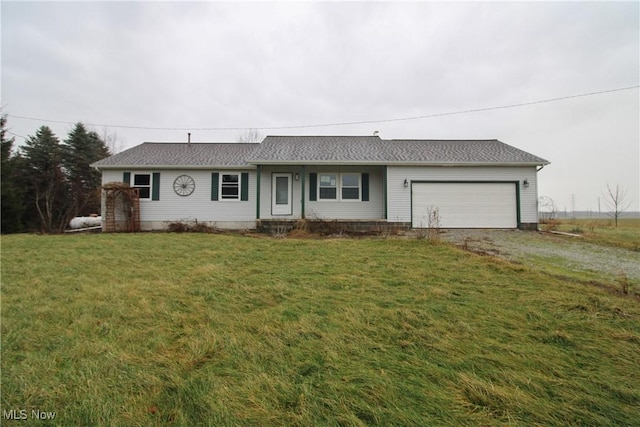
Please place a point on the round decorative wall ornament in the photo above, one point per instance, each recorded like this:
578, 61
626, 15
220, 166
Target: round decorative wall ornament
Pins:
184, 185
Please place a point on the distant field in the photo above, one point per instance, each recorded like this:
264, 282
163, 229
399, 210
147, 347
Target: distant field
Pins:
204, 329
603, 231
593, 215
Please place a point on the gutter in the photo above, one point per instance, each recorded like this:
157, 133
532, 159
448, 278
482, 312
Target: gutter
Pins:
252, 164
175, 167
383, 163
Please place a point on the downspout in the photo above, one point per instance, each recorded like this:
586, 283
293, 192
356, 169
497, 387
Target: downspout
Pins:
518, 210
537, 206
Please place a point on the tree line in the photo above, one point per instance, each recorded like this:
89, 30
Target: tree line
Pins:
46, 182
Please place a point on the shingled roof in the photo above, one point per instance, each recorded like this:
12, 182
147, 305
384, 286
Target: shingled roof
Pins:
175, 155
458, 151
372, 149
322, 150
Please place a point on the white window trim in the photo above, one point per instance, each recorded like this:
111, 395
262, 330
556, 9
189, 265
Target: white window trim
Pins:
227, 199
133, 184
338, 187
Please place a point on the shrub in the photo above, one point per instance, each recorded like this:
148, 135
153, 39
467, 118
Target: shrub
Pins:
551, 224
190, 227
623, 280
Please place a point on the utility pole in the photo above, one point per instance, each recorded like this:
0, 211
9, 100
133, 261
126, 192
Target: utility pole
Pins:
573, 205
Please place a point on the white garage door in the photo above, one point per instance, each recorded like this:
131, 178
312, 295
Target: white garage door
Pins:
465, 205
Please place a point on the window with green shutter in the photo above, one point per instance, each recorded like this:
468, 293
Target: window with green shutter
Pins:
334, 186
148, 184
230, 186
142, 181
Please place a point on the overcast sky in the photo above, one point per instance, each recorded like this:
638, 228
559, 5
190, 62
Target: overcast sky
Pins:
259, 65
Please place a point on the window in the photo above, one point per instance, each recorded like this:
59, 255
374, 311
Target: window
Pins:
142, 181
230, 187
328, 187
350, 186
336, 186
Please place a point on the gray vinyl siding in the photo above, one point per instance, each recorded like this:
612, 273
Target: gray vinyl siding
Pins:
325, 209
197, 206
399, 196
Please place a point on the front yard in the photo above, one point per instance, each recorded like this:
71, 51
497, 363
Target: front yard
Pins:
205, 329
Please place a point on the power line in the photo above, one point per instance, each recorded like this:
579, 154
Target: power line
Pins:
15, 134
425, 116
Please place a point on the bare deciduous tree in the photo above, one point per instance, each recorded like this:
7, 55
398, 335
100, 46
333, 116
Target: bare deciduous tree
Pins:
616, 201
112, 141
546, 208
250, 136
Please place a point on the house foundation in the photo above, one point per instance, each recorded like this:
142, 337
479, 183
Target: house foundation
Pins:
331, 226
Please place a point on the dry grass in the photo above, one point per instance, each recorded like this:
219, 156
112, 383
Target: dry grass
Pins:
206, 329
602, 231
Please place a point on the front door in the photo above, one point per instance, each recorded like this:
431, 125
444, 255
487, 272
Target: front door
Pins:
281, 194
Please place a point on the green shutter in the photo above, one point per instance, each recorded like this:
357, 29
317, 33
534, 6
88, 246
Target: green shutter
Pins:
385, 196
244, 186
126, 178
365, 187
155, 186
215, 183
313, 187
259, 172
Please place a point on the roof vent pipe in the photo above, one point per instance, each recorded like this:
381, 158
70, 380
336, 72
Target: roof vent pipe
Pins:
189, 138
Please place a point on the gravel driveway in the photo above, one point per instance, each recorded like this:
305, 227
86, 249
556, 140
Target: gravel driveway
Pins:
544, 249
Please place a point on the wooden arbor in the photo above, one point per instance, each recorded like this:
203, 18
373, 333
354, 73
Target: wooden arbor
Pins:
122, 207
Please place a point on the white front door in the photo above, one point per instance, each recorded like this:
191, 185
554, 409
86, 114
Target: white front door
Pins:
281, 194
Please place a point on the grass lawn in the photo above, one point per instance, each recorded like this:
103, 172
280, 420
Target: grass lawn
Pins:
204, 329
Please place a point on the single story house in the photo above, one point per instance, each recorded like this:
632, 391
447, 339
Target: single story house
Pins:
471, 183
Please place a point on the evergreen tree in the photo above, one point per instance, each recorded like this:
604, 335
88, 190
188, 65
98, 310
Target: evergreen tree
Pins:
12, 190
83, 148
48, 187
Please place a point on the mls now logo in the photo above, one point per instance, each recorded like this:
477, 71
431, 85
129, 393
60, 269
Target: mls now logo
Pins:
22, 414
14, 414
42, 415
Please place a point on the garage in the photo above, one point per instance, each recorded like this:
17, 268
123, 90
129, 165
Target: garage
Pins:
465, 204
